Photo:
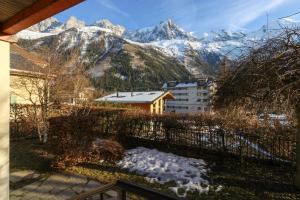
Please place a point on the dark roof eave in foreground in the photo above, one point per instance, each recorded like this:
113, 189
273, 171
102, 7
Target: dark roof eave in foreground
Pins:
26, 16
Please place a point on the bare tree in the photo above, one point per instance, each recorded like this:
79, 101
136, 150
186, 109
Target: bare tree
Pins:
63, 80
71, 87
267, 77
33, 88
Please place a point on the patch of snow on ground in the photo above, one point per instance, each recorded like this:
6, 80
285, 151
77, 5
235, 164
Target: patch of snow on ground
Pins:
188, 173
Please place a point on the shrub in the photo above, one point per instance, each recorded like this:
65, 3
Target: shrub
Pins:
80, 136
101, 149
107, 150
74, 134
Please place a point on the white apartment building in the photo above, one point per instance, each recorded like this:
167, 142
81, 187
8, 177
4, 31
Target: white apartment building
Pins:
190, 97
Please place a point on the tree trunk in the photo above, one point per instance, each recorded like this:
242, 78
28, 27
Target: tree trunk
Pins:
297, 177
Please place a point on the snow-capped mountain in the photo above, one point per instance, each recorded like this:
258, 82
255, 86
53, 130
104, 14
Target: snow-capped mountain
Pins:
166, 37
165, 51
105, 23
225, 35
47, 25
108, 57
72, 22
166, 30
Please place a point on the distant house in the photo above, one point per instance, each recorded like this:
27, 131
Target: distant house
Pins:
27, 77
84, 95
152, 102
190, 97
27, 87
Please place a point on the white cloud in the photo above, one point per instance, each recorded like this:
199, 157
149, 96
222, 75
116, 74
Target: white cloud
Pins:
206, 15
111, 6
247, 11
288, 19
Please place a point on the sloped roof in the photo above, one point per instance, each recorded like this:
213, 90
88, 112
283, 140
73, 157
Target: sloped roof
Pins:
183, 85
135, 97
23, 60
173, 84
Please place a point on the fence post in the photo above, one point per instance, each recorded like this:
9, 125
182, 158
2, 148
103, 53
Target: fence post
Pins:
241, 146
222, 133
121, 194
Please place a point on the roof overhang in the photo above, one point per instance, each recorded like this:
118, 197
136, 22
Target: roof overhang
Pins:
166, 95
29, 74
19, 15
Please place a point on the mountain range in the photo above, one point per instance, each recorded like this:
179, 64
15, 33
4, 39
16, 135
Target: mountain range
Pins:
117, 58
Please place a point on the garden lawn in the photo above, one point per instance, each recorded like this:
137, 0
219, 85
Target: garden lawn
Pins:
228, 178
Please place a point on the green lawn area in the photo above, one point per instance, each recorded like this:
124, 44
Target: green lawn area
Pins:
247, 180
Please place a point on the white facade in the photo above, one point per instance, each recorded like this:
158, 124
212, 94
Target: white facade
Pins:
4, 120
190, 97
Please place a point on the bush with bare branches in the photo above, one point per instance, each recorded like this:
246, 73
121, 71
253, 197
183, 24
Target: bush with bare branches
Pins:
266, 78
79, 136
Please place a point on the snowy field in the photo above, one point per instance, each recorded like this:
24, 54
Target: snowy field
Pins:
189, 174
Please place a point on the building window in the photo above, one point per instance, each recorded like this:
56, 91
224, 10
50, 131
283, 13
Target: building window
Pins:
181, 89
202, 94
180, 99
180, 94
202, 87
178, 107
13, 99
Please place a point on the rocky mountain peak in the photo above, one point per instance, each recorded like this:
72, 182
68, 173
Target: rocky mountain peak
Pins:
46, 25
226, 35
168, 22
73, 22
165, 30
105, 23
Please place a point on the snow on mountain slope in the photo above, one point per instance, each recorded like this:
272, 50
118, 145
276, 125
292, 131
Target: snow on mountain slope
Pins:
170, 39
105, 23
32, 35
47, 25
74, 32
177, 47
84, 36
166, 37
73, 22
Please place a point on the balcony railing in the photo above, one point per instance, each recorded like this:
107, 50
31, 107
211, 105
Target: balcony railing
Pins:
123, 188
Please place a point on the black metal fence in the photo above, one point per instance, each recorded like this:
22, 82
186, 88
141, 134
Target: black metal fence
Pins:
209, 132
210, 135
240, 144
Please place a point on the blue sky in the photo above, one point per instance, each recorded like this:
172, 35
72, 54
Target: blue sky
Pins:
196, 16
